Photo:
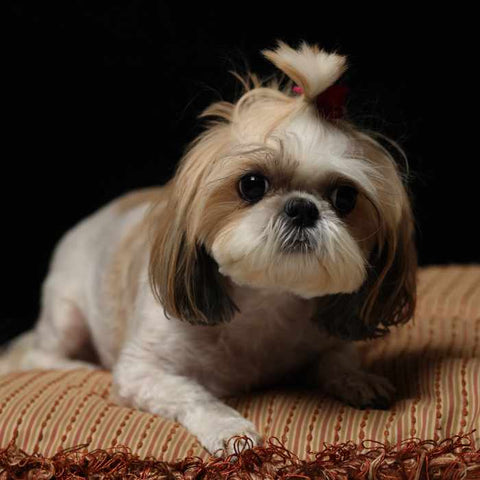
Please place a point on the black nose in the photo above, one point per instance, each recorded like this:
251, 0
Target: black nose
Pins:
302, 212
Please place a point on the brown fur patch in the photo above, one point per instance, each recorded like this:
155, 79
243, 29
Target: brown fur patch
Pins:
122, 277
364, 225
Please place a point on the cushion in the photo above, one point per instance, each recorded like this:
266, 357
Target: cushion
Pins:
434, 361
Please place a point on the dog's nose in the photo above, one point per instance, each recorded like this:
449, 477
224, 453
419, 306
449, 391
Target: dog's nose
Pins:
302, 212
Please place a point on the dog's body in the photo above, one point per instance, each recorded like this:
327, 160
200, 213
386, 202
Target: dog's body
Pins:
96, 299
186, 307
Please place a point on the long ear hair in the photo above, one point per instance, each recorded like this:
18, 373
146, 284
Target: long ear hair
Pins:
186, 281
388, 295
183, 276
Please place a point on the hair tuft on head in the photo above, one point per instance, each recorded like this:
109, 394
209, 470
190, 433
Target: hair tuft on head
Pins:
311, 68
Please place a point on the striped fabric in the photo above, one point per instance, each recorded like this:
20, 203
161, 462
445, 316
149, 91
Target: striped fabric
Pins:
434, 362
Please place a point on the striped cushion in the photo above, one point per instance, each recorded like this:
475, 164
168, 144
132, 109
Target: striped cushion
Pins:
434, 362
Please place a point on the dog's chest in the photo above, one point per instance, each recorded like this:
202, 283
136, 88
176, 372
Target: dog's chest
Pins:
270, 337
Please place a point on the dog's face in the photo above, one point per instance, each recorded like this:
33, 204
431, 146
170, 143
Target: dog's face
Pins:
276, 197
300, 212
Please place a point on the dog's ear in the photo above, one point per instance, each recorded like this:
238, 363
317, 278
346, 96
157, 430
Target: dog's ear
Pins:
388, 295
185, 278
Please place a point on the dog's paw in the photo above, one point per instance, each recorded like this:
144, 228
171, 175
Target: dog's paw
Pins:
362, 390
221, 439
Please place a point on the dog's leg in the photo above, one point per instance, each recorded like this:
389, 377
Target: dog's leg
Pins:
59, 338
338, 373
143, 384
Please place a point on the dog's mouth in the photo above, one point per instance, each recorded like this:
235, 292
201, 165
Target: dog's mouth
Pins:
295, 239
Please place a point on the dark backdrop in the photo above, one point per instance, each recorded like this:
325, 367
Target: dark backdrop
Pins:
101, 97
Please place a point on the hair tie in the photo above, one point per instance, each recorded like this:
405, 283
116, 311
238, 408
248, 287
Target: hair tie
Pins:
331, 102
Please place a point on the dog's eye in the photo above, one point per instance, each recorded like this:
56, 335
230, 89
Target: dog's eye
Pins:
344, 198
253, 187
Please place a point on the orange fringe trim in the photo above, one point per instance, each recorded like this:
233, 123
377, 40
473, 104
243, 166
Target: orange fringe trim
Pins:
413, 459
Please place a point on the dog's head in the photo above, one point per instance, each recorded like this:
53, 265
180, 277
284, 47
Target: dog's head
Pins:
279, 193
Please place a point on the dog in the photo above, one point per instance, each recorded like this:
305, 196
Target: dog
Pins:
285, 235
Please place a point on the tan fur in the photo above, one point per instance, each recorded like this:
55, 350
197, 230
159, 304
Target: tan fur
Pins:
364, 225
121, 280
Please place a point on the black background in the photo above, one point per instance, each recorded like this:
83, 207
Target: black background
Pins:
101, 97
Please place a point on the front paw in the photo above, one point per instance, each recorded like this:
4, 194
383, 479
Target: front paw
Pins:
362, 390
219, 442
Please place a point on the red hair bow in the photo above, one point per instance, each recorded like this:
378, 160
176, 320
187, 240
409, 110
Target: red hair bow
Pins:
331, 102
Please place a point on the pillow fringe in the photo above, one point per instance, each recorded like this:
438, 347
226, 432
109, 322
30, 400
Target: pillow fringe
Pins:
413, 459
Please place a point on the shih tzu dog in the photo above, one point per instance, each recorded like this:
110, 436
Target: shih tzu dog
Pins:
285, 235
